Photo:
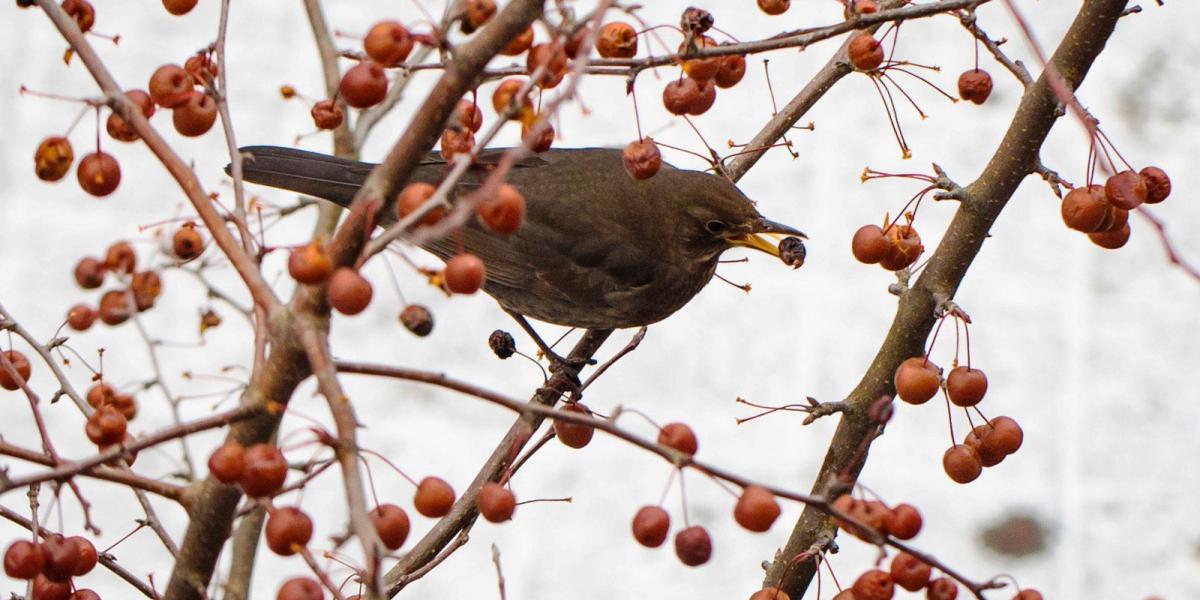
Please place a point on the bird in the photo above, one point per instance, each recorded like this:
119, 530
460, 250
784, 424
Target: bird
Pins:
597, 249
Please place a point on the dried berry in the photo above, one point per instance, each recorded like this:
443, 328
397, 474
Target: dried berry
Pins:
83, 13
687, 96
792, 251
770, 593
89, 273
617, 40
506, 94
540, 141
732, 70
187, 243
1126, 190
701, 68
60, 556
642, 158
502, 344
417, 319
942, 588
106, 426
975, 85
552, 62
300, 588
1158, 185
326, 114
903, 522
906, 247
53, 158
120, 258
455, 142
476, 13
467, 115
179, 8
865, 52
146, 286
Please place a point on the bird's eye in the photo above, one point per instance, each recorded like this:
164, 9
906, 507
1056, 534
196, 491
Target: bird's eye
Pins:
715, 227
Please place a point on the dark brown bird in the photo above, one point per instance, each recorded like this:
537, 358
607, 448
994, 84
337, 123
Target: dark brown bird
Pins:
598, 249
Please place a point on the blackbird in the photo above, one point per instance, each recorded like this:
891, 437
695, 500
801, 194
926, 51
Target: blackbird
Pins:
598, 249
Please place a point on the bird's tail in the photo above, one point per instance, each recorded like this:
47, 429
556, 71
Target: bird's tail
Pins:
320, 175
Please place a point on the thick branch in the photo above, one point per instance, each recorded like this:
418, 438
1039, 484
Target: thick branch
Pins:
985, 198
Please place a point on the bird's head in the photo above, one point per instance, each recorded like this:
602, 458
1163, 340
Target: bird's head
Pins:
715, 216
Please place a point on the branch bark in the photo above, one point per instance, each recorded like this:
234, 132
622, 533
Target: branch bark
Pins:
985, 198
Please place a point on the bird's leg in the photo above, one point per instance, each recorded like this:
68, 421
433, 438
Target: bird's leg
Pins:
558, 365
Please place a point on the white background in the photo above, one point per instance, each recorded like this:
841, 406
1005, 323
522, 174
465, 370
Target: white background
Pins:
1093, 352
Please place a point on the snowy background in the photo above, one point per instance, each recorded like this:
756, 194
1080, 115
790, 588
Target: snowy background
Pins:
1094, 352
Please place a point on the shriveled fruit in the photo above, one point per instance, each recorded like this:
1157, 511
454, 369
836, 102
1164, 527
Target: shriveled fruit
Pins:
678, 436
617, 40
82, 12
434, 497
456, 141
574, 435
865, 52
187, 243
576, 42
476, 13
288, 529
391, 523
687, 96
1125, 190
519, 44
693, 546
364, 84
170, 86
910, 572
53, 158
464, 274
792, 251
701, 68
266, 470
89, 273
756, 509
961, 463
120, 258
388, 43
551, 60
975, 85
19, 363
966, 386
349, 292
1158, 184
537, 135
496, 502
869, 245
98, 173
504, 212
228, 462
642, 159
417, 319
1111, 240
310, 263
146, 287
468, 115
917, 380
874, 584
326, 114
508, 92
115, 307
732, 70
650, 526
1084, 208
906, 247
196, 116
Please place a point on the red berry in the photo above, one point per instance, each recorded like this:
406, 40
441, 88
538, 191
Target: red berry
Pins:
287, 530
910, 572
544, 138
1006, 435
20, 364
364, 84
45, 588
693, 546
961, 463
966, 386
617, 40
146, 286
506, 94
551, 59
733, 69
642, 159
87, 555
1111, 240
865, 52
903, 522
228, 462
496, 502
196, 116
1084, 208
388, 43
701, 68
874, 585
650, 526
1126, 190
83, 13
120, 258
170, 86
519, 44
84, 594
349, 293
23, 560
61, 558
98, 174
679, 437
476, 13
687, 96
1028, 594
300, 588
756, 509
869, 245
574, 435
392, 525
770, 593
310, 263
990, 456
774, 7
89, 273
434, 497
266, 470
179, 7
106, 426
114, 307
465, 274
187, 243
975, 85
917, 380
504, 212
468, 115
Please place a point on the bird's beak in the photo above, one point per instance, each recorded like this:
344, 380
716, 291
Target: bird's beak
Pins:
755, 240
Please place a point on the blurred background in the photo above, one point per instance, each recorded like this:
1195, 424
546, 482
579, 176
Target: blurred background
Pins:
1094, 352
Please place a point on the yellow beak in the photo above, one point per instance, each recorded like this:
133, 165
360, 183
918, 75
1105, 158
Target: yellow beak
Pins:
757, 241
